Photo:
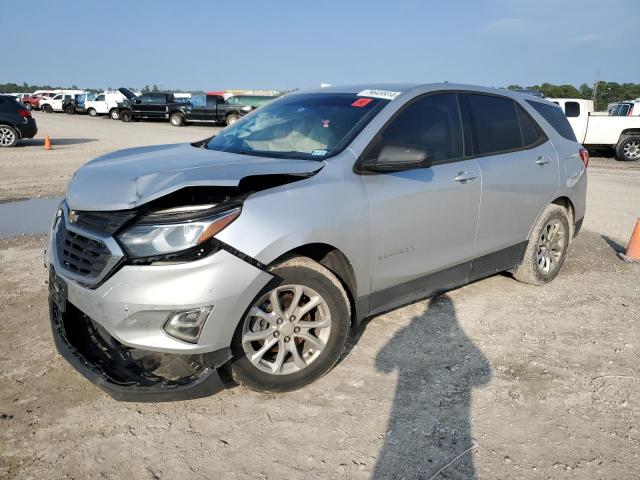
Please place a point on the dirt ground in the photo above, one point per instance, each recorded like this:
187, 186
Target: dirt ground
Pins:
495, 380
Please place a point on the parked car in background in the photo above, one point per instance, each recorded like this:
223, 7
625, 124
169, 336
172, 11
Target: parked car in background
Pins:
77, 104
253, 101
627, 108
145, 106
32, 102
16, 122
54, 104
105, 103
257, 250
621, 133
207, 108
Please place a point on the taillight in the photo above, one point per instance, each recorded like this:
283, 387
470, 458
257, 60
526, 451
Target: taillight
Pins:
584, 156
24, 113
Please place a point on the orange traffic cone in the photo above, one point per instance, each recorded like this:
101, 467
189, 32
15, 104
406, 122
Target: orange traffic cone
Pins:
633, 249
47, 142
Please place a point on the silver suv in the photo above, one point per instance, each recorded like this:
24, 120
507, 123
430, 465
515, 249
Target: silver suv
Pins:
251, 255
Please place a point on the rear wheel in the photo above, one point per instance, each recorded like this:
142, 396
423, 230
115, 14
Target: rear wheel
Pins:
176, 119
547, 247
8, 136
113, 114
69, 110
232, 118
628, 148
126, 116
294, 330
47, 109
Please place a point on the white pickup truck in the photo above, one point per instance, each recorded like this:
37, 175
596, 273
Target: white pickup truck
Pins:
592, 130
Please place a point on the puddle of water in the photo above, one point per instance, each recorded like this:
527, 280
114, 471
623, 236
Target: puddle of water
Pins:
29, 217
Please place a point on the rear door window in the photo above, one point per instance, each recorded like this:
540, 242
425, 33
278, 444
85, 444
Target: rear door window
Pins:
494, 121
431, 123
556, 118
572, 109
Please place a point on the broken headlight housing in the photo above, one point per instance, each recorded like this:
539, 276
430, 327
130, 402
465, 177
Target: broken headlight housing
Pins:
168, 232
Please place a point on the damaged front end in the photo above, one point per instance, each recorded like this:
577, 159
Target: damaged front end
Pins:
114, 327
131, 374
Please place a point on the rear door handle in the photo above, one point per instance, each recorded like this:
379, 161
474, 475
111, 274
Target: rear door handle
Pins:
465, 176
543, 160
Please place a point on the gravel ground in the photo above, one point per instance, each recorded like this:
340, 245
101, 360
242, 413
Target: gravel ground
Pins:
493, 380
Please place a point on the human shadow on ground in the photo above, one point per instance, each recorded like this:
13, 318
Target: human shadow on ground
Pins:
429, 433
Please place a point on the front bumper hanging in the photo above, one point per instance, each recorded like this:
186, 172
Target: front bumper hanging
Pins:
129, 374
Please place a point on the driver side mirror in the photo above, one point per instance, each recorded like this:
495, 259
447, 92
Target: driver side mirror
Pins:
137, 100
396, 158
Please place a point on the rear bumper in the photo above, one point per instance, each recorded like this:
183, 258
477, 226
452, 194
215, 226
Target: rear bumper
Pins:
27, 130
129, 374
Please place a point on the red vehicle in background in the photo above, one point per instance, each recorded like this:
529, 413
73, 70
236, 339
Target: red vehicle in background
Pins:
33, 101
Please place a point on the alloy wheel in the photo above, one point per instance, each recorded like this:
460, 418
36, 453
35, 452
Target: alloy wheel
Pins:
551, 245
286, 329
7, 136
632, 150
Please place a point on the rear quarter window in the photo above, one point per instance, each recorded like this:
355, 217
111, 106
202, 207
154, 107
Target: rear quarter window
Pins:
572, 109
556, 118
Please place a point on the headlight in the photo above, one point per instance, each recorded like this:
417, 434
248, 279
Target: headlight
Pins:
246, 108
153, 239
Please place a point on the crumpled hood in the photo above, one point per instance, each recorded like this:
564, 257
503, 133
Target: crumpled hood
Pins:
127, 178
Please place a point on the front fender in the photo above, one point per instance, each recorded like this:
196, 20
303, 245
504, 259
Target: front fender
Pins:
322, 209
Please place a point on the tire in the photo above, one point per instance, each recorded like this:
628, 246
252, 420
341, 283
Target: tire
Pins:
177, 119
313, 358
47, 109
113, 114
92, 112
8, 136
69, 110
547, 247
28, 106
126, 116
628, 148
232, 118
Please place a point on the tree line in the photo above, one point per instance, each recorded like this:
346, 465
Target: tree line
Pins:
606, 92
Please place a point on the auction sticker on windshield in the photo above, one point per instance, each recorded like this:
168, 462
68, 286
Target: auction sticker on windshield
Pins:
386, 94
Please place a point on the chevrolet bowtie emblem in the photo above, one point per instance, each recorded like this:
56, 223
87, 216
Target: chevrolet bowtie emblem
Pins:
73, 216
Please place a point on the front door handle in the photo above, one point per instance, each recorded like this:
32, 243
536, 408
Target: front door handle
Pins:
465, 176
543, 160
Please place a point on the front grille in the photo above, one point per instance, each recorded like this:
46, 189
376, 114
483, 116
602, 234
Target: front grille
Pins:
79, 254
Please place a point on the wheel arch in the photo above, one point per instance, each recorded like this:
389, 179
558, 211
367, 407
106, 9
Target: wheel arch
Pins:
335, 261
564, 202
627, 132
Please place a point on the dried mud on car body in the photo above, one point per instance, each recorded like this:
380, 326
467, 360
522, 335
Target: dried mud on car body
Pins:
530, 382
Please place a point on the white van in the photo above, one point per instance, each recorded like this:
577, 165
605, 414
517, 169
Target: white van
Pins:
105, 103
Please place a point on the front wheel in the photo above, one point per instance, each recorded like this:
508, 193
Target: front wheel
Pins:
47, 109
547, 247
126, 116
294, 331
232, 118
628, 149
92, 112
113, 114
176, 119
28, 106
69, 110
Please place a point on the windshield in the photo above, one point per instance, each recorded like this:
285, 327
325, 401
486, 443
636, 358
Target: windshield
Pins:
304, 126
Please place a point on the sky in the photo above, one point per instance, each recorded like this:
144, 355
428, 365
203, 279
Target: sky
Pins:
209, 45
